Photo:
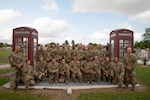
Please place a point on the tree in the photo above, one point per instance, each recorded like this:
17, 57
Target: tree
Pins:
66, 42
73, 44
1, 45
146, 35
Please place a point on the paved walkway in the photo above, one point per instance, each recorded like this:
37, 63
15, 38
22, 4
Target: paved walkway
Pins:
2, 66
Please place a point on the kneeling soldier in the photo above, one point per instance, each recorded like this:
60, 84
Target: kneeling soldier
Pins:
53, 70
28, 75
75, 70
64, 72
118, 72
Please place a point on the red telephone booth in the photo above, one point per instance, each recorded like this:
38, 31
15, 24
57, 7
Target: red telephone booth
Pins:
120, 40
27, 38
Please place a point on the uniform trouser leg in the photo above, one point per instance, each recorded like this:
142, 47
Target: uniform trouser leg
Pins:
67, 75
74, 77
14, 78
120, 82
51, 78
79, 76
56, 76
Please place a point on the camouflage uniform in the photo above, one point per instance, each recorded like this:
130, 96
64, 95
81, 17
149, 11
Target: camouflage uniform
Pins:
53, 70
41, 52
118, 70
15, 59
75, 71
130, 60
58, 54
68, 55
28, 75
97, 70
41, 70
80, 54
88, 71
106, 71
48, 54
101, 54
90, 53
64, 73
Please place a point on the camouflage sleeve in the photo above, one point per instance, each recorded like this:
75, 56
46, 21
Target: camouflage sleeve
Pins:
122, 70
10, 59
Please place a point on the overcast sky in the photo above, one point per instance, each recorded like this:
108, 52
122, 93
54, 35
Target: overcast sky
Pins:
81, 20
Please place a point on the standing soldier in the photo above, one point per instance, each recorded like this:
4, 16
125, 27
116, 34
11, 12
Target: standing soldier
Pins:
100, 53
89, 52
118, 72
75, 70
97, 68
53, 70
16, 62
130, 61
68, 54
79, 52
41, 70
106, 70
58, 53
28, 75
48, 53
64, 72
41, 51
88, 70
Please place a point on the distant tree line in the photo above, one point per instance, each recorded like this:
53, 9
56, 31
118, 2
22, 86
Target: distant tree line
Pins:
145, 43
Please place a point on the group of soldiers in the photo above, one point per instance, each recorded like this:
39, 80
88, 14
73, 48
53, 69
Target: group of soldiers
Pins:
78, 64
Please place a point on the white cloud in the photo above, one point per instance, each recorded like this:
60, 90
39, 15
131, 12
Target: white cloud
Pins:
137, 36
8, 14
101, 36
143, 17
48, 27
125, 7
50, 5
6, 35
134, 9
124, 25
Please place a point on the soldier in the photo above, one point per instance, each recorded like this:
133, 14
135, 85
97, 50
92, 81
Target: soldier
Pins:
79, 52
48, 53
89, 52
100, 53
58, 53
75, 70
118, 72
53, 50
88, 70
68, 54
28, 75
130, 61
41, 51
41, 70
16, 62
53, 70
97, 68
106, 70
64, 72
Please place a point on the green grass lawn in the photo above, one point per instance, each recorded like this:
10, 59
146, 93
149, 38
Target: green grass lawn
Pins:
4, 56
4, 71
143, 75
21, 96
115, 96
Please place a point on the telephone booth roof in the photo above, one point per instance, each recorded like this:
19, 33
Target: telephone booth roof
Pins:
121, 30
26, 28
